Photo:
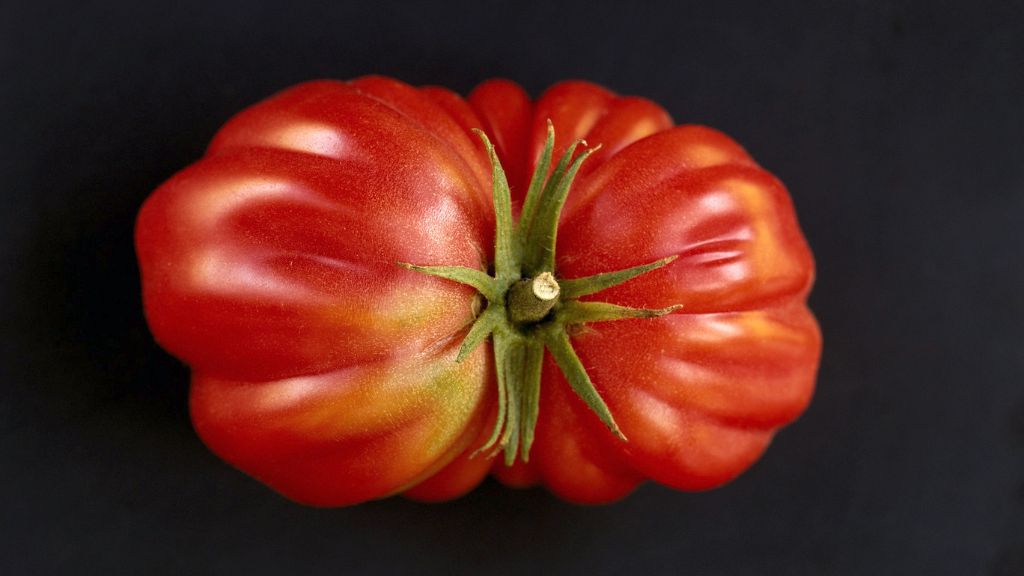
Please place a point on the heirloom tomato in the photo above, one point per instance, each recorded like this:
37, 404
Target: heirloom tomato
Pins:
379, 288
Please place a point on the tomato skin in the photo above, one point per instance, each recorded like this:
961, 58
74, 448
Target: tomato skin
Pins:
326, 371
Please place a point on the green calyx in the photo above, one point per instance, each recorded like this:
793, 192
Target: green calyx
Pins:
528, 309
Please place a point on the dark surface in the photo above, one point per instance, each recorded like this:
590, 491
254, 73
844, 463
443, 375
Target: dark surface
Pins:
899, 129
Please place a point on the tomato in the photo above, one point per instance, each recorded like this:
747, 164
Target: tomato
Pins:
379, 287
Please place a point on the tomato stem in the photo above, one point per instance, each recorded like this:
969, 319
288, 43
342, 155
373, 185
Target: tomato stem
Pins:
530, 300
528, 309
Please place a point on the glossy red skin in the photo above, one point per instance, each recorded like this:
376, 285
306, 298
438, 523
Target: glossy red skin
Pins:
326, 371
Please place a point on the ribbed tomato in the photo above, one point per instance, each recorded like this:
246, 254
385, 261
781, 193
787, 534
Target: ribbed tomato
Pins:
374, 299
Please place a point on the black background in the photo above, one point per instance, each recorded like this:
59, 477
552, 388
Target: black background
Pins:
899, 128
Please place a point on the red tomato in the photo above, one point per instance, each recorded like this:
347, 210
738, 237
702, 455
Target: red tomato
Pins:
324, 368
